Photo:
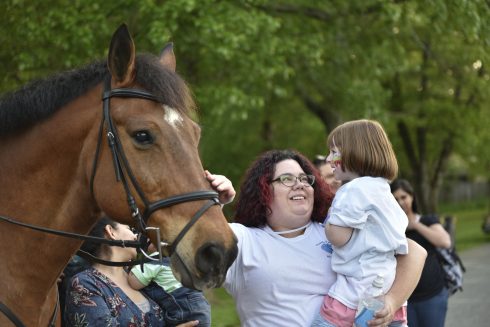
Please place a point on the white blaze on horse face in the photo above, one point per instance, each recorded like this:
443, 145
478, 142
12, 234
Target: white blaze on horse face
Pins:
172, 116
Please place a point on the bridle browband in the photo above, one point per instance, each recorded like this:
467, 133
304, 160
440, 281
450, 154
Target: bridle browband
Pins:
123, 172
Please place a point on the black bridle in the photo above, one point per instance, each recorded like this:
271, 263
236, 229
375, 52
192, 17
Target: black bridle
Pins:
125, 175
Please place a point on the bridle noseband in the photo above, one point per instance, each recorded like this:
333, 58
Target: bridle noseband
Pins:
123, 172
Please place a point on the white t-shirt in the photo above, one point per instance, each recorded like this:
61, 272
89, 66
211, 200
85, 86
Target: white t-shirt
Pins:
278, 281
366, 205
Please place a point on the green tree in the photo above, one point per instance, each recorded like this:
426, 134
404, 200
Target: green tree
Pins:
269, 74
417, 67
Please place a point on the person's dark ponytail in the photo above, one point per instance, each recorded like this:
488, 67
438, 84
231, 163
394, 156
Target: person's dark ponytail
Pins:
98, 231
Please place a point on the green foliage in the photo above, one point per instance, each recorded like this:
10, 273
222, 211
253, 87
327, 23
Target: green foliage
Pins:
38, 40
282, 74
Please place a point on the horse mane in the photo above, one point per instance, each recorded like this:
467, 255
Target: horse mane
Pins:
41, 98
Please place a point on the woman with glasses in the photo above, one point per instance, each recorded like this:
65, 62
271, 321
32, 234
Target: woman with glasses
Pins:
283, 269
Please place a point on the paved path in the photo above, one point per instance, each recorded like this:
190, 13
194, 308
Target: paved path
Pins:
472, 306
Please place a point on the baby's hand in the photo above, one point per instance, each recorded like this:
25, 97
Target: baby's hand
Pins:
222, 185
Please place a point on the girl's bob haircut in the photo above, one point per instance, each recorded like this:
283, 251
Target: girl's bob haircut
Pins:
365, 149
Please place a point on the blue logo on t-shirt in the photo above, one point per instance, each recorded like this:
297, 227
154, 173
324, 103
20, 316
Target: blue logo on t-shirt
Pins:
327, 247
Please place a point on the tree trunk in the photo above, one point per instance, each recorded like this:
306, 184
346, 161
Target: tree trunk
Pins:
329, 117
266, 131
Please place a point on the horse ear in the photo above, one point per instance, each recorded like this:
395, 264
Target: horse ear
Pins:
121, 60
167, 57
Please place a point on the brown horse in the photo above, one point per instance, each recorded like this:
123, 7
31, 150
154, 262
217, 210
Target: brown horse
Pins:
63, 141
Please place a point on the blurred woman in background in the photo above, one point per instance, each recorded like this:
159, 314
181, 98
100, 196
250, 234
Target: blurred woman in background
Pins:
427, 306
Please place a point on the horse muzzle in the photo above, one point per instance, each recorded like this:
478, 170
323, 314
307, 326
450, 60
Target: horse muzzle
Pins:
211, 263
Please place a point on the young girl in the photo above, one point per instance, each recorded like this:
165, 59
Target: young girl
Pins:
365, 224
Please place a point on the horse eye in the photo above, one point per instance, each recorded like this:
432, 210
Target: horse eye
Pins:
143, 137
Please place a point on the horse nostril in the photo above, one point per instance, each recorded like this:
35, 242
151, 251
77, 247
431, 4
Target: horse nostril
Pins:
210, 259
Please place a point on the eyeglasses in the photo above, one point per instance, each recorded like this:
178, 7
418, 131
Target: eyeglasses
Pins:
289, 180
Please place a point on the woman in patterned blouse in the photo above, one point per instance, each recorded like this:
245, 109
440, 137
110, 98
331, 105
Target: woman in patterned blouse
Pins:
101, 295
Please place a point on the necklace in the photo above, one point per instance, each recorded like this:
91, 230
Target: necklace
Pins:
293, 230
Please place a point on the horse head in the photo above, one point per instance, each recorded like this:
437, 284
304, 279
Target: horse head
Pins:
152, 148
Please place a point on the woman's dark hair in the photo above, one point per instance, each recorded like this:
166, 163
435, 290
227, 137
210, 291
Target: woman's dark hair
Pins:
98, 231
252, 208
404, 185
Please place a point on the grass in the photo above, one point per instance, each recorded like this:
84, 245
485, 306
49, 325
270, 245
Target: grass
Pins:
468, 221
223, 312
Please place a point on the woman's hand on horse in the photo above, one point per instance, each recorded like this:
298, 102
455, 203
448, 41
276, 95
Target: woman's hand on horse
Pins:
222, 185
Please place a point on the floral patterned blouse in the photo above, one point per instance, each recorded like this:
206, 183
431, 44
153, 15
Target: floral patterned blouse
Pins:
93, 299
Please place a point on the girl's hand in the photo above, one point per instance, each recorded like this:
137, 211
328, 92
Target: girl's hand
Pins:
222, 185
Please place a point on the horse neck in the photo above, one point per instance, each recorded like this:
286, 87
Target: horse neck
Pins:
44, 182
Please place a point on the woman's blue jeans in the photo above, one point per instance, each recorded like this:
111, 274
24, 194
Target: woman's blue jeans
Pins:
182, 305
430, 312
